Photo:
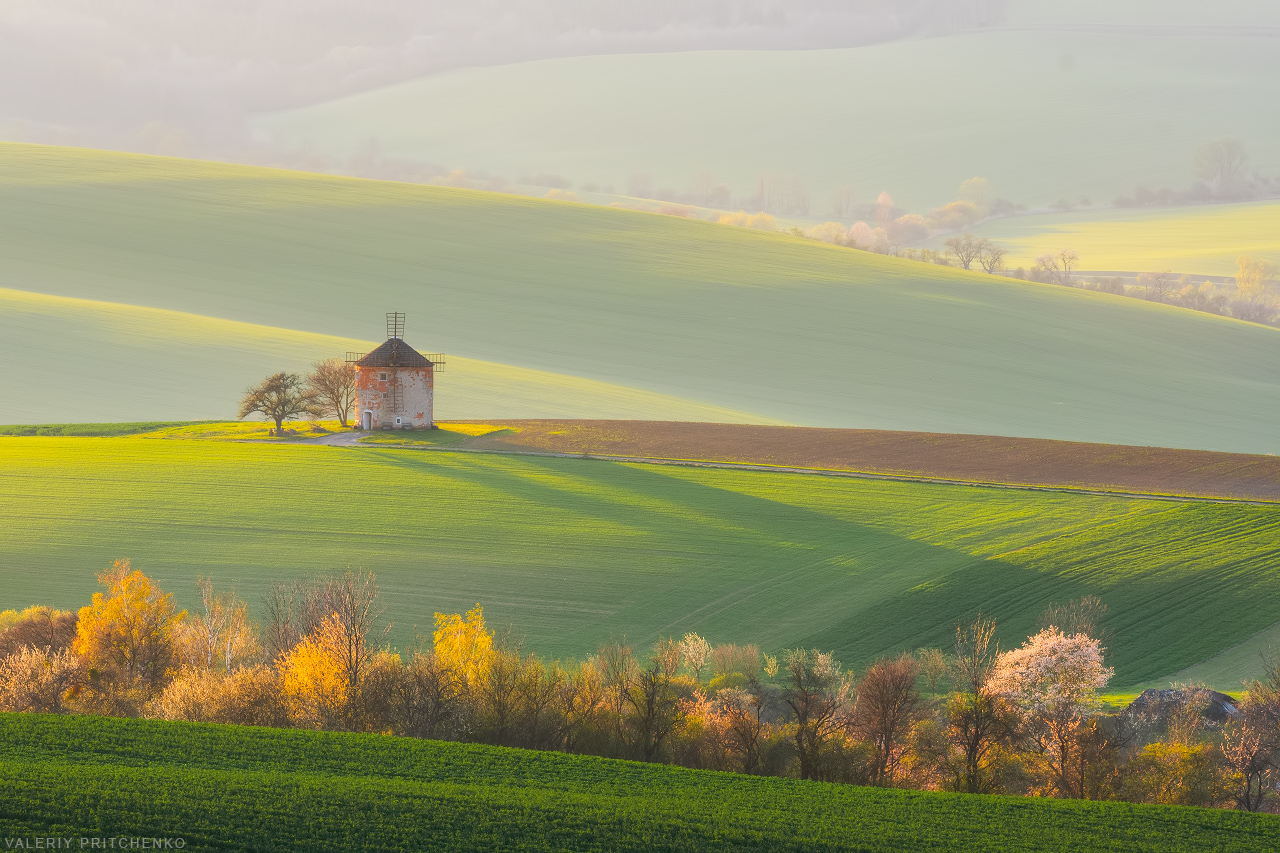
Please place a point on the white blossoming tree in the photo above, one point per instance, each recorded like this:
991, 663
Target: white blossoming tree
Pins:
1054, 680
695, 652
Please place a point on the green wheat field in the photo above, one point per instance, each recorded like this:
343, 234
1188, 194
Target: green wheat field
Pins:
567, 553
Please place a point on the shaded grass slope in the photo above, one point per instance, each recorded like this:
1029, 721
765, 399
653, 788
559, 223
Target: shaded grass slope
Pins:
240, 788
782, 328
568, 553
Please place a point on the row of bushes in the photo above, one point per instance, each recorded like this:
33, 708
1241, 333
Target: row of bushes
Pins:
1252, 299
973, 718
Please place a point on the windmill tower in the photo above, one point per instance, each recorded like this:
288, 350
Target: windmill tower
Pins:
395, 384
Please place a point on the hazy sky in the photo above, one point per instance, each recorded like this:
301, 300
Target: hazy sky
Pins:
186, 76
121, 73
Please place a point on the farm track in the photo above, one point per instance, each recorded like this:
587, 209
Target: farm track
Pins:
970, 460
858, 475
778, 469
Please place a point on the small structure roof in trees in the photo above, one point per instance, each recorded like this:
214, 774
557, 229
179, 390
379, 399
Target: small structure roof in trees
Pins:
394, 353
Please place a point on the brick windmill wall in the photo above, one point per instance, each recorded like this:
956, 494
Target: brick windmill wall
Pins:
395, 384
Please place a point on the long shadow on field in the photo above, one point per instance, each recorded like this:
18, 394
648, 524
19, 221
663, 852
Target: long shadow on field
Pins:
745, 568
1181, 583
739, 567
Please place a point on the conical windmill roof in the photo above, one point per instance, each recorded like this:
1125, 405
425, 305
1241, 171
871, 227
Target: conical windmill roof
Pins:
394, 353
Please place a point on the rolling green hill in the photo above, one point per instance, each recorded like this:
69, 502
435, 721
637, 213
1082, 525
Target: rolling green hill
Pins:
570, 552
732, 324
1054, 104
117, 361
241, 788
1204, 240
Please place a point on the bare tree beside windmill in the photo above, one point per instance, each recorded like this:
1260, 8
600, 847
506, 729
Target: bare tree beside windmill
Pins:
333, 384
279, 397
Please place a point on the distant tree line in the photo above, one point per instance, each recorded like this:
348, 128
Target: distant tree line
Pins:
971, 718
1222, 174
1220, 169
1254, 297
880, 226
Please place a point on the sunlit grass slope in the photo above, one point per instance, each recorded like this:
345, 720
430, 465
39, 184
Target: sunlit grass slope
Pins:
1204, 240
77, 358
570, 552
778, 327
242, 788
1044, 109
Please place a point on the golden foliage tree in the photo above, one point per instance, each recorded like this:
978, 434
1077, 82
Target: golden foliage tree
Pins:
127, 638
976, 191
1251, 277
828, 232
464, 645
38, 680
314, 678
954, 216
1175, 774
39, 627
247, 696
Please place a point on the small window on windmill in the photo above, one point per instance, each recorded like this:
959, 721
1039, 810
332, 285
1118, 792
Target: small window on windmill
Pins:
382, 377
384, 395
397, 422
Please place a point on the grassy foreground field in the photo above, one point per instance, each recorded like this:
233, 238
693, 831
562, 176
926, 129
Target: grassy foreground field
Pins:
570, 552
240, 788
169, 286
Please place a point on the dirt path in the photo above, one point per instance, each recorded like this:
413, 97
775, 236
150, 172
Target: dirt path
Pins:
502, 445
347, 438
933, 457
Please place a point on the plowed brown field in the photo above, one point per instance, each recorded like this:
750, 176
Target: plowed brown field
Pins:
973, 458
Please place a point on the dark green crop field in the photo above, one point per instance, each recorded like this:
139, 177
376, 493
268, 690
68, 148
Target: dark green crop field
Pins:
568, 552
238, 788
